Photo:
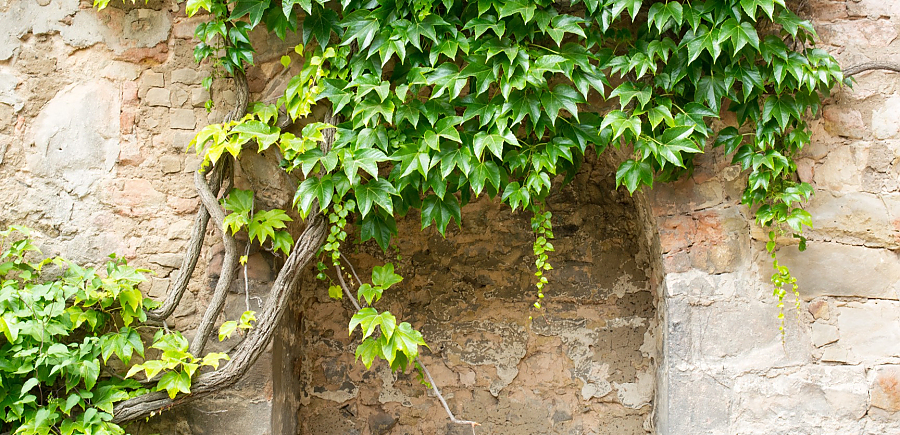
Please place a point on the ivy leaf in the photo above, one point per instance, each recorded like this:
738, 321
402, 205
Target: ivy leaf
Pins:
227, 329
367, 351
334, 292
632, 174
730, 138
740, 34
440, 211
781, 108
512, 7
369, 293
319, 24
483, 172
282, 241
264, 223
380, 227
628, 91
311, 189
493, 142
562, 97
384, 276
253, 8
407, 340
375, 192
174, 383
562, 24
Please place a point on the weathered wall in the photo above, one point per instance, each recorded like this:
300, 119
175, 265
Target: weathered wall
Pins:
587, 366
96, 109
725, 368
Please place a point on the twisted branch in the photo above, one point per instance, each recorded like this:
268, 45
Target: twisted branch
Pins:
251, 348
871, 66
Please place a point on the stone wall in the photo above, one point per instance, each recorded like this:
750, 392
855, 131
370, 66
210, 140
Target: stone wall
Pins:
726, 369
660, 317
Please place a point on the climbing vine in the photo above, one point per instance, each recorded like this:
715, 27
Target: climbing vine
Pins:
431, 104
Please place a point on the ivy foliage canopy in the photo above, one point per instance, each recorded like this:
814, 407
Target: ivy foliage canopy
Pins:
442, 101
446, 100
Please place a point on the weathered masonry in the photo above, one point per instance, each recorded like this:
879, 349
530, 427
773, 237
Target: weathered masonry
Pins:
660, 317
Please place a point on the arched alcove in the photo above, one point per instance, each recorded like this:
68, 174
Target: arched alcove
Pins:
585, 364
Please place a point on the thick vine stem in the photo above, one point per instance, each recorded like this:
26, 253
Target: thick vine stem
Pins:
208, 198
189, 261
198, 232
253, 345
871, 66
229, 265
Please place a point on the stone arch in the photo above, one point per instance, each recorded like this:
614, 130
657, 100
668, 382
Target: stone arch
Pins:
586, 364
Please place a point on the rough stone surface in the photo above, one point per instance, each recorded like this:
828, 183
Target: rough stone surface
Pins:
592, 352
660, 318
75, 139
833, 269
885, 389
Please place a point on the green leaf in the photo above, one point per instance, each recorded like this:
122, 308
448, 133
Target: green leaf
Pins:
483, 172
335, 292
364, 318
384, 276
562, 97
632, 174
740, 34
367, 351
227, 329
440, 211
314, 188
379, 227
493, 142
375, 192
253, 8
730, 138
512, 7
174, 383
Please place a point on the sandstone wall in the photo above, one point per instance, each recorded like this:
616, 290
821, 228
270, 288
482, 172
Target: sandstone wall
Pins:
725, 368
660, 317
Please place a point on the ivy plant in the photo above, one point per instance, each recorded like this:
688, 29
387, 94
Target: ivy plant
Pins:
434, 103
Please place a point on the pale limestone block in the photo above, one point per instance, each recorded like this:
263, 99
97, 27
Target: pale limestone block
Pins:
854, 218
823, 333
182, 119
871, 330
832, 269
885, 122
157, 97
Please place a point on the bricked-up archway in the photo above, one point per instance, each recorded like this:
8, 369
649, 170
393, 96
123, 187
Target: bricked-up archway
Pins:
588, 365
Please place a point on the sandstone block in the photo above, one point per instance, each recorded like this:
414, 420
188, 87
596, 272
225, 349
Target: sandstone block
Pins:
885, 388
819, 309
186, 76
157, 97
170, 164
810, 397
199, 97
76, 135
870, 330
844, 121
831, 269
854, 218
885, 123
170, 260
138, 197
823, 333
182, 119
159, 288
179, 97
153, 79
